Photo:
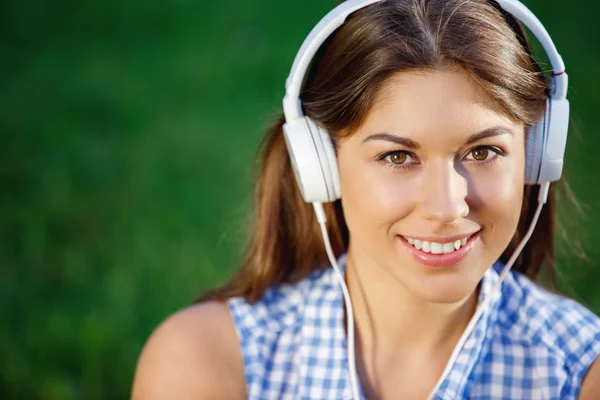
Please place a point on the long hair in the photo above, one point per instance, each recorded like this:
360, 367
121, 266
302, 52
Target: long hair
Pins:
346, 77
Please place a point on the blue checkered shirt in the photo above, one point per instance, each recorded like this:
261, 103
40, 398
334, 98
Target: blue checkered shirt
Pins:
528, 344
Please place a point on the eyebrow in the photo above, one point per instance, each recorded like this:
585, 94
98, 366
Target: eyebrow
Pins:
388, 137
490, 132
411, 144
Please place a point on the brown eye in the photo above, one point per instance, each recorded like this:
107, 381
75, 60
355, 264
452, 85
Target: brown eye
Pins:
398, 158
480, 154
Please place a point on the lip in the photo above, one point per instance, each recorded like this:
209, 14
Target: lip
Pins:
442, 260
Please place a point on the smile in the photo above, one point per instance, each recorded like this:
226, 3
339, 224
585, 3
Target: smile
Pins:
435, 247
443, 253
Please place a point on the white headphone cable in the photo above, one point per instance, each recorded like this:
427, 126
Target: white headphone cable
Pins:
542, 197
321, 218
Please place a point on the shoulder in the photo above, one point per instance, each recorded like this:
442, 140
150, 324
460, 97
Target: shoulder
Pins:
591, 383
557, 331
192, 354
553, 320
282, 306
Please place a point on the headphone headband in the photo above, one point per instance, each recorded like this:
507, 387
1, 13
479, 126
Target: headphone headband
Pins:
312, 153
292, 107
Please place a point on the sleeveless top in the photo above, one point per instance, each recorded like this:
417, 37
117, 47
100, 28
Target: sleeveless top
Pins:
528, 344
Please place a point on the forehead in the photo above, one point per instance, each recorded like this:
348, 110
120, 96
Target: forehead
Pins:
431, 103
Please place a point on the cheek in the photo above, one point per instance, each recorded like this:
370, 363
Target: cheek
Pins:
499, 197
372, 195
498, 201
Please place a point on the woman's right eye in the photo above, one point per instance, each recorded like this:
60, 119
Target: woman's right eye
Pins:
398, 159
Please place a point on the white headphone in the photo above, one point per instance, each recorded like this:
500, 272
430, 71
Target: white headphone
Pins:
313, 157
310, 147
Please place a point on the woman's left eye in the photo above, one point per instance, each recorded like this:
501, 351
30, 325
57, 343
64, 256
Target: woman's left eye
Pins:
483, 153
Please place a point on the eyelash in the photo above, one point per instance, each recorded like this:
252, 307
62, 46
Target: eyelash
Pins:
382, 157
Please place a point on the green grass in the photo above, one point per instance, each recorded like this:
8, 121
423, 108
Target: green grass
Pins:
128, 136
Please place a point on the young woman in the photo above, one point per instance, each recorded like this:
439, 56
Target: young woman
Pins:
445, 137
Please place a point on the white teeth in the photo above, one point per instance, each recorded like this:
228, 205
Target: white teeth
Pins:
448, 247
437, 248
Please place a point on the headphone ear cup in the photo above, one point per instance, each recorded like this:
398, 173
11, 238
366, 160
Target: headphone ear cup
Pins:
545, 144
327, 160
333, 166
555, 140
534, 145
310, 161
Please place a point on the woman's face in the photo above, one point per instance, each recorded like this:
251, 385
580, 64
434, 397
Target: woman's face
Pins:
432, 167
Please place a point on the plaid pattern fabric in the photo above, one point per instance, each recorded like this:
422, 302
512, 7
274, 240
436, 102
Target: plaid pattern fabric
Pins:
528, 344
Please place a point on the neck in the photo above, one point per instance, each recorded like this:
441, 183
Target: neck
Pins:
391, 320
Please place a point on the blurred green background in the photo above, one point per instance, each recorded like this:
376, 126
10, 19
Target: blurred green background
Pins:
128, 135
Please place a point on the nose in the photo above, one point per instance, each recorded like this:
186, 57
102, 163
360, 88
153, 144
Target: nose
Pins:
444, 193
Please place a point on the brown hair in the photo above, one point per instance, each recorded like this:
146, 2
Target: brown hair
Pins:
347, 76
